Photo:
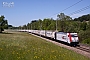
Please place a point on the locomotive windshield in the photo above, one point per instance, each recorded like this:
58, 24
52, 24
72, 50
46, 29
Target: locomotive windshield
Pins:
74, 36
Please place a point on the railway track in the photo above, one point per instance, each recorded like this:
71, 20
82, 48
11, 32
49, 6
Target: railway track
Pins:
84, 48
81, 49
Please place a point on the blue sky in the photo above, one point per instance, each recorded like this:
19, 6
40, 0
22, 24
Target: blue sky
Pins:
24, 11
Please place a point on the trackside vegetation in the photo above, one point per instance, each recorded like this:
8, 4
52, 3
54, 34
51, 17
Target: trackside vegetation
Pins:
64, 23
3, 23
23, 46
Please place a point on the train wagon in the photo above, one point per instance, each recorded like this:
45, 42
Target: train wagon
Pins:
42, 32
71, 38
29, 31
50, 34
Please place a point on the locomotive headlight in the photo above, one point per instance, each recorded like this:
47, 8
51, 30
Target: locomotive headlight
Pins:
73, 40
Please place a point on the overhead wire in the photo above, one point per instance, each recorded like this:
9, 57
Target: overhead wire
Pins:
71, 5
67, 8
80, 10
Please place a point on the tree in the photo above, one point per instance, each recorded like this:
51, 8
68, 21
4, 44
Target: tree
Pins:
3, 24
39, 24
62, 17
45, 24
52, 25
61, 23
83, 18
24, 27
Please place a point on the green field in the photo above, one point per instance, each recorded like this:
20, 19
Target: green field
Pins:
23, 46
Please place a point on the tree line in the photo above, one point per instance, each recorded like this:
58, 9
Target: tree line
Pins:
64, 23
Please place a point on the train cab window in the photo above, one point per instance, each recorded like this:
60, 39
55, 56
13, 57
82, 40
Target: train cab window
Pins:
74, 36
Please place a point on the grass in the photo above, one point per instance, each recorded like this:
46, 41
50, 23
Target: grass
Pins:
86, 41
22, 46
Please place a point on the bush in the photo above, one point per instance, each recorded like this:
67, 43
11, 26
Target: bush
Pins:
86, 41
83, 35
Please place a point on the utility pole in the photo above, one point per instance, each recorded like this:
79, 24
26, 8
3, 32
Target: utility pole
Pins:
31, 26
56, 25
40, 26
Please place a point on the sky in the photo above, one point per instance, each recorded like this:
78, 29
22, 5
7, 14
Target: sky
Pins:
21, 12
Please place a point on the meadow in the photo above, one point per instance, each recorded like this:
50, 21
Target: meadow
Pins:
23, 46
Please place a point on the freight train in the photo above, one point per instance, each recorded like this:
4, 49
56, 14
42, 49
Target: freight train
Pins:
70, 38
